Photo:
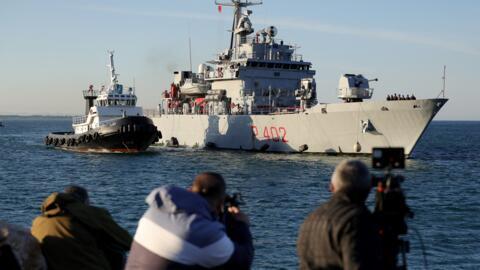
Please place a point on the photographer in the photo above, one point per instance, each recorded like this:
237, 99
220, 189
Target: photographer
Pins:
341, 234
73, 234
181, 229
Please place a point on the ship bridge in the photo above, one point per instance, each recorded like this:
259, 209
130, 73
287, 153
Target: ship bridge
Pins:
260, 72
257, 74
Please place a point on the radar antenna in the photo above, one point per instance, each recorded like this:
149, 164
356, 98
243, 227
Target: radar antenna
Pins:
238, 5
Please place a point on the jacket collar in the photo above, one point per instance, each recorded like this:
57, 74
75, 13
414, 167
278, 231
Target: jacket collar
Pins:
350, 197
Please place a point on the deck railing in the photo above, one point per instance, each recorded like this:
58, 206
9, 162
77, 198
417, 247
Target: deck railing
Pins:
79, 119
91, 93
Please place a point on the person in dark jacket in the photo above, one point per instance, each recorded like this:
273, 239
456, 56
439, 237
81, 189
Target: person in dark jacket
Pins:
341, 233
19, 249
181, 230
75, 235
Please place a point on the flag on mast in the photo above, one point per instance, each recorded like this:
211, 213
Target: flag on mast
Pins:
220, 8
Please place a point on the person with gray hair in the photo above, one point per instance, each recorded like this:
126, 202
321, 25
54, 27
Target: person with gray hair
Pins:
341, 233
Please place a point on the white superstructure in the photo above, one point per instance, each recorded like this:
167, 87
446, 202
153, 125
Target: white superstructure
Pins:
259, 94
107, 104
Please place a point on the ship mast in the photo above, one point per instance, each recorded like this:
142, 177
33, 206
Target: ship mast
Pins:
238, 5
113, 75
444, 78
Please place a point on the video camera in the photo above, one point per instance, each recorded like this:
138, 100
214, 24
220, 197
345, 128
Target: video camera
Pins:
391, 209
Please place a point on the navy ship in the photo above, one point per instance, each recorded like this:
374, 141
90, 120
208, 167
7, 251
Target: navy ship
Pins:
259, 94
112, 122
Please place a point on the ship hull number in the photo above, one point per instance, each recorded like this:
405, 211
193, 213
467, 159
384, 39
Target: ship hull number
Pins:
275, 134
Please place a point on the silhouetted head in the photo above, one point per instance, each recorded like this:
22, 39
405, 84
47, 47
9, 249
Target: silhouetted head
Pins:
211, 186
351, 177
78, 193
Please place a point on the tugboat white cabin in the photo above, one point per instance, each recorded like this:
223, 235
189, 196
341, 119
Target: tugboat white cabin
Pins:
112, 121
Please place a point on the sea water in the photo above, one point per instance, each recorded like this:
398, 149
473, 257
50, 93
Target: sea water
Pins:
442, 187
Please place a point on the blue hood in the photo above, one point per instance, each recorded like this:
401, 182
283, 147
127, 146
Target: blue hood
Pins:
174, 200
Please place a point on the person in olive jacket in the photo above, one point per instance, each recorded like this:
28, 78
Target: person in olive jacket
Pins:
75, 235
341, 233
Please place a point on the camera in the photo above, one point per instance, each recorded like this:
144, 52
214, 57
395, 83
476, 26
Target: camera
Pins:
234, 200
231, 200
393, 158
391, 209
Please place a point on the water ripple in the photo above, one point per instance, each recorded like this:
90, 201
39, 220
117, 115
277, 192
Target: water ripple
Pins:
442, 184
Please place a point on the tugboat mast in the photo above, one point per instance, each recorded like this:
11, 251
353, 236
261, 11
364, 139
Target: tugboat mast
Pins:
113, 75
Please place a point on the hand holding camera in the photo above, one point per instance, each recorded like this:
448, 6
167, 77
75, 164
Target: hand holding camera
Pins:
232, 208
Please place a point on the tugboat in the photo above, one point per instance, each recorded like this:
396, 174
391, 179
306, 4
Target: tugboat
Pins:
112, 122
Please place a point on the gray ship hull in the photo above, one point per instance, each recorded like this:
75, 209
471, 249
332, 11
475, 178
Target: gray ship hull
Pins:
348, 128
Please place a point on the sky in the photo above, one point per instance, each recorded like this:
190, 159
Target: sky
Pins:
51, 50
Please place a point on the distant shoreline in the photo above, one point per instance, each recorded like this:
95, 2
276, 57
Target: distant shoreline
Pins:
33, 115
69, 116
